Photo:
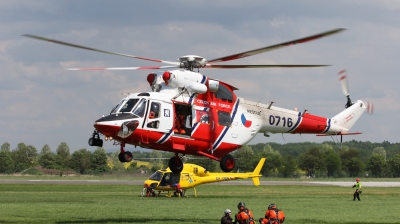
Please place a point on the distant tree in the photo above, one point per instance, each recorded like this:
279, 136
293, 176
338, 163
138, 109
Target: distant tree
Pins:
208, 164
274, 161
5, 147
99, 160
81, 161
311, 161
244, 158
24, 157
324, 147
376, 164
379, 151
156, 162
133, 166
114, 163
63, 155
47, 158
6, 162
332, 162
351, 161
355, 166
394, 165
289, 166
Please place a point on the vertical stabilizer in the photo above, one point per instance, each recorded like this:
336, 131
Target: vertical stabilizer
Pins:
347, 118
256, 172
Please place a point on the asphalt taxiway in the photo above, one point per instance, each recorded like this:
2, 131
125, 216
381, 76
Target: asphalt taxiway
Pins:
266, 183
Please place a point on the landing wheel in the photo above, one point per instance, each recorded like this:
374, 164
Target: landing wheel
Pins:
125, 157
121, 157
128, 156
175, 165
227, 163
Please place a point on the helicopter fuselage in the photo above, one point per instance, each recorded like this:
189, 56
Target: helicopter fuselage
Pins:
189, 113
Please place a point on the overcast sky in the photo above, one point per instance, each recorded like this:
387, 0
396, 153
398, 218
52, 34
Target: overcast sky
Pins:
43, 104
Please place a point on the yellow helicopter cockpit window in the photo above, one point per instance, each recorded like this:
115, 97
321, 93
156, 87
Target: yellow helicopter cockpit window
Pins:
156, 176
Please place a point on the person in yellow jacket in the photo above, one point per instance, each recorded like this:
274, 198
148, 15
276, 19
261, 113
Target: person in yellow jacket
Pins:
358, 190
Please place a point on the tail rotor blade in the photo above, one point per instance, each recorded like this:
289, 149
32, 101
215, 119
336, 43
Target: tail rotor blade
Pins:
370, 108
343, 82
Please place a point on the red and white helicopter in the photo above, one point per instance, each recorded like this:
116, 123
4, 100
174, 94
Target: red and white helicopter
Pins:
189, 113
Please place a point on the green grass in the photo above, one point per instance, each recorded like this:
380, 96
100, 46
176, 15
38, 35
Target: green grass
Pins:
39, 203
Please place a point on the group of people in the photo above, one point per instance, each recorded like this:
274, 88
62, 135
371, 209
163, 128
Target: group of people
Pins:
245, 216
272, 216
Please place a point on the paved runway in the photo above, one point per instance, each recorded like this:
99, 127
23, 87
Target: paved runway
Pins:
137, 182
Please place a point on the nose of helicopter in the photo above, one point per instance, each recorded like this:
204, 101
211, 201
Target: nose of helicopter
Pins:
107, 125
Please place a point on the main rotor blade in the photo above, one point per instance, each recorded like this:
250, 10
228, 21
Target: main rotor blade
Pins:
97, 50
124, 68
262, 66
343, 82
275, 47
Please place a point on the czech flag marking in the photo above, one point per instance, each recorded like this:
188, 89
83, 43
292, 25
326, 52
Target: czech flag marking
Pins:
245, 122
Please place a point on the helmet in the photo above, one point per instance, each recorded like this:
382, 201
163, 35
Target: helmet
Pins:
271, 206
227, 211
241, 204
358, 179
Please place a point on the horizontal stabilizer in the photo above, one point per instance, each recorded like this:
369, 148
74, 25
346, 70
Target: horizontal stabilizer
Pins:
341, 133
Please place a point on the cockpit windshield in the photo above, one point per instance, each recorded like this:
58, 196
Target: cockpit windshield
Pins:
128, 106
156, 176
141, 108
114, 110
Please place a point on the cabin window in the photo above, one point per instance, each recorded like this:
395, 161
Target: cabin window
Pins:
153, 124
224, 93
224, 118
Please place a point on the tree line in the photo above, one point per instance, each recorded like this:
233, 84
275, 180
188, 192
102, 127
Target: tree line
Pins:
283, 160
326, 159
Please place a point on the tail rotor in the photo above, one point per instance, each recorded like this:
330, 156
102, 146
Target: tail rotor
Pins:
345, 88
370, 108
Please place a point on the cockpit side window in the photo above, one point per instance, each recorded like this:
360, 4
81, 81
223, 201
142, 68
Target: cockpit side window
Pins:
141, 108
127, 107
154, 110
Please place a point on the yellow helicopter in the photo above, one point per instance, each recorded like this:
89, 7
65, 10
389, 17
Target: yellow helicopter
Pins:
191, 176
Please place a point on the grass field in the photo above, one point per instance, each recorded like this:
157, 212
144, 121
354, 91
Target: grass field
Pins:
39, 203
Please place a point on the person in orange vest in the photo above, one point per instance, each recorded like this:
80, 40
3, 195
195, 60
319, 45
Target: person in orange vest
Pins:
273, 215
179, 124
244, 215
